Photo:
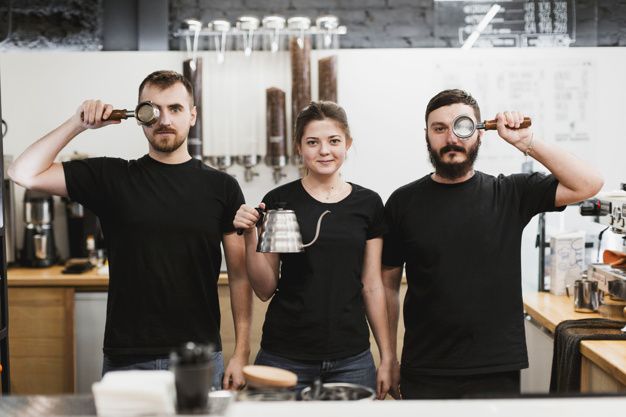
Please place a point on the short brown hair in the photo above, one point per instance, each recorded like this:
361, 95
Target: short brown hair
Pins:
448, 97
165, 79
320, 110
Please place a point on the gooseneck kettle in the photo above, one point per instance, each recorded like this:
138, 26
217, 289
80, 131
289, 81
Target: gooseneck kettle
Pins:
280, 232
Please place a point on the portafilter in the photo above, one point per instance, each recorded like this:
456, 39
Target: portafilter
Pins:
464, 126
146, 113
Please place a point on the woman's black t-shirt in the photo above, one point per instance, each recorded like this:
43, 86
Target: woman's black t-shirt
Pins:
317, 312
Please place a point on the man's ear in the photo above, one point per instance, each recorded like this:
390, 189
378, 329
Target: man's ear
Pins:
426, 139
194, 115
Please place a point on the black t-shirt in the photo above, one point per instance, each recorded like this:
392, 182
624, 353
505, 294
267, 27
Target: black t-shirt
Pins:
317, 312
163, 225
461, 244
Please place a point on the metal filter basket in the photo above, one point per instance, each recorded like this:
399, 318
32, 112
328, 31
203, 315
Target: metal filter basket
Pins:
339, 391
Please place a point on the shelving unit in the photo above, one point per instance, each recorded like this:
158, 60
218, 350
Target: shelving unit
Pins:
4, 305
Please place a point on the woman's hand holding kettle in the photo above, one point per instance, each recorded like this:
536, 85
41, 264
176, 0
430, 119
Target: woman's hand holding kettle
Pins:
246, 218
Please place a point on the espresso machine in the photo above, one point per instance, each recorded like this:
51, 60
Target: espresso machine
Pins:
39, 248
610, 210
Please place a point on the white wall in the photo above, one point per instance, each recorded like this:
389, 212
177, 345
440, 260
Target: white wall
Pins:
575, 97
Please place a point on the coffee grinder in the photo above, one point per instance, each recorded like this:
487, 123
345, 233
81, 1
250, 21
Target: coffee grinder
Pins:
83, 229
39, 248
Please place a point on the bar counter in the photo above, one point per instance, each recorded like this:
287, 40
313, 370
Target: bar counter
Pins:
603, 361
42, 340
42, 337
36, 406
41, 327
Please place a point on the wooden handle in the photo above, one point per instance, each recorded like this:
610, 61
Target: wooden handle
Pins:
118, 115
491, 124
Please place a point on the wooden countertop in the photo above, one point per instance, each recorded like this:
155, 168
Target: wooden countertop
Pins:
52, 277
549, 310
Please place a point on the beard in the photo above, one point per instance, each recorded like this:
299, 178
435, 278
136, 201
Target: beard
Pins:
165, 144
453, 170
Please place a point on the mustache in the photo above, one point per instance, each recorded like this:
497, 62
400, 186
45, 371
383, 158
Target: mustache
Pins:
449, 148
163, 129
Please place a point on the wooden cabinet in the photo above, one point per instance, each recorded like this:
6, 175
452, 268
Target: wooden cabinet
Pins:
603, 366
41, 328
41, 335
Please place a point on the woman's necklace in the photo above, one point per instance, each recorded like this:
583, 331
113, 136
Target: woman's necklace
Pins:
326, 195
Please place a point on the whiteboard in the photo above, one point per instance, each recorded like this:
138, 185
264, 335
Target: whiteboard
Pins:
572, 95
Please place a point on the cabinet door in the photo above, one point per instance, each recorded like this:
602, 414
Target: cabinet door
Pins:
536, 379
594, 379
90, 310
41, 333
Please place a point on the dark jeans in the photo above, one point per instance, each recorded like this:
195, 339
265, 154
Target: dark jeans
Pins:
501, 384
357, 369
151, 363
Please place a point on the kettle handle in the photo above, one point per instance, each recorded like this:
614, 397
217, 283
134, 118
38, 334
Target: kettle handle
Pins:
258, 223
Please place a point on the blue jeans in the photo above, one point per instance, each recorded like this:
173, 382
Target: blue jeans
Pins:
151, 363
357, 369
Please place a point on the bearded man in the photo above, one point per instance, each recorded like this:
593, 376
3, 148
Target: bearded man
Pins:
164, 217
458, 231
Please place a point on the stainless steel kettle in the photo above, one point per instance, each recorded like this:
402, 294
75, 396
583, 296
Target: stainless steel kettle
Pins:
280, 232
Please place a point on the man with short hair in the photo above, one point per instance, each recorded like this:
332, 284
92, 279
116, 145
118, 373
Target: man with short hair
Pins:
163, 216
458, 231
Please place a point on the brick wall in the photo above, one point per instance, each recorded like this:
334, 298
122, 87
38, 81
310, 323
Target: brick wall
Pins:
52, 24
394, 23
76, 24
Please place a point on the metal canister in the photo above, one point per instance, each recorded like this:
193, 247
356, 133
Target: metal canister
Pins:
586, 296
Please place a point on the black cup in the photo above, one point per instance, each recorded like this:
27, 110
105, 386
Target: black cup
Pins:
193, 373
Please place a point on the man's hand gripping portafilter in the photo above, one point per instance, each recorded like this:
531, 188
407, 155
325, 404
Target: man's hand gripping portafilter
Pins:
146, 114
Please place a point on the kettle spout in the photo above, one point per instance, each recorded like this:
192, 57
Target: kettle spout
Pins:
317, 230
